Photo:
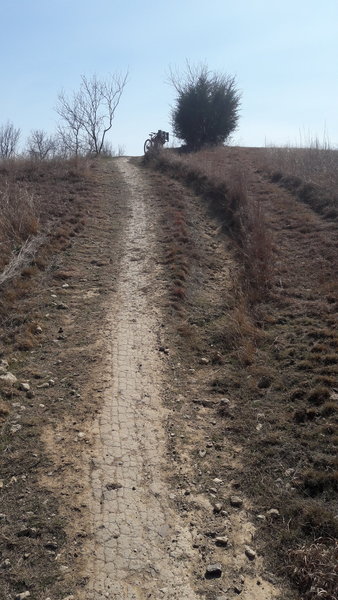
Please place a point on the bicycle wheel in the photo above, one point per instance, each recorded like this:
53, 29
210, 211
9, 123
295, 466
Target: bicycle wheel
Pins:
148, 144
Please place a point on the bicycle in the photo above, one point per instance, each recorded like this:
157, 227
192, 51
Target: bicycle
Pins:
156, 141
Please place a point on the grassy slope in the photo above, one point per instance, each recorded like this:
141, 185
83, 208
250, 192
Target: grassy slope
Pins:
51, 312
282, 346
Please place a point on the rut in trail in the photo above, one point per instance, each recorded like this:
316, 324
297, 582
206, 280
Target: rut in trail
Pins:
141, 548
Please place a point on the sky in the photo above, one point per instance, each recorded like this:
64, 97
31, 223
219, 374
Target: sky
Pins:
283, 53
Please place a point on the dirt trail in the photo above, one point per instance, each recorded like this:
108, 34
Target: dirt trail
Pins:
141, 549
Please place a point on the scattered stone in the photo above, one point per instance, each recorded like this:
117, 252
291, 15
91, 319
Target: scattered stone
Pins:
38, 330
202, 453
30, 532
51, 382
1, 483
51, 545
164, 350
209, 445
236, 501
15, 428
65, 286
62, 306
217, 480
22, 596
250, 553
238, 589
261, 517
218, 507
213, 571
64, 568
273, 513
113, 486
43, 385
204, 361
25, 387
6, 564
210, 534
81, 435
30, 394
3, 367
68, 598
222, 541
9, 378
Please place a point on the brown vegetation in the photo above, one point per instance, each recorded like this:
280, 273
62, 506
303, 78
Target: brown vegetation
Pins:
42, 345
241, 215
309, 173
278, 359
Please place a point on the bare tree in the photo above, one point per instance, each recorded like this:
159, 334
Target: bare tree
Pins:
68, 141
9, 139
41, 145
70, 131
89, 114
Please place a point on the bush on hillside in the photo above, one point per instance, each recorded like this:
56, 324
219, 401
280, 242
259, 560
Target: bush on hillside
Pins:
206, 110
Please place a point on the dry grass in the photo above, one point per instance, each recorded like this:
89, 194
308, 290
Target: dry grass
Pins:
283, 371
315, 569
225, 189
19, 217
33, 197
311, 173
315, 164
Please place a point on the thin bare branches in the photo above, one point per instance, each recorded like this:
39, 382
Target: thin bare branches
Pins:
89, 114
9, 139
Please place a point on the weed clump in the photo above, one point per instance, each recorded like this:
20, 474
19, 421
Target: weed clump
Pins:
319, 395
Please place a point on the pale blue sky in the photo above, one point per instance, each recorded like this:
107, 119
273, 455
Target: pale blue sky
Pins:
284, 54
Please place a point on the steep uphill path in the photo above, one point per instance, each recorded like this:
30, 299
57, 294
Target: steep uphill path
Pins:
141, 547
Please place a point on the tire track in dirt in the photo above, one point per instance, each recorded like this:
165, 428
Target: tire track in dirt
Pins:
141, 548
